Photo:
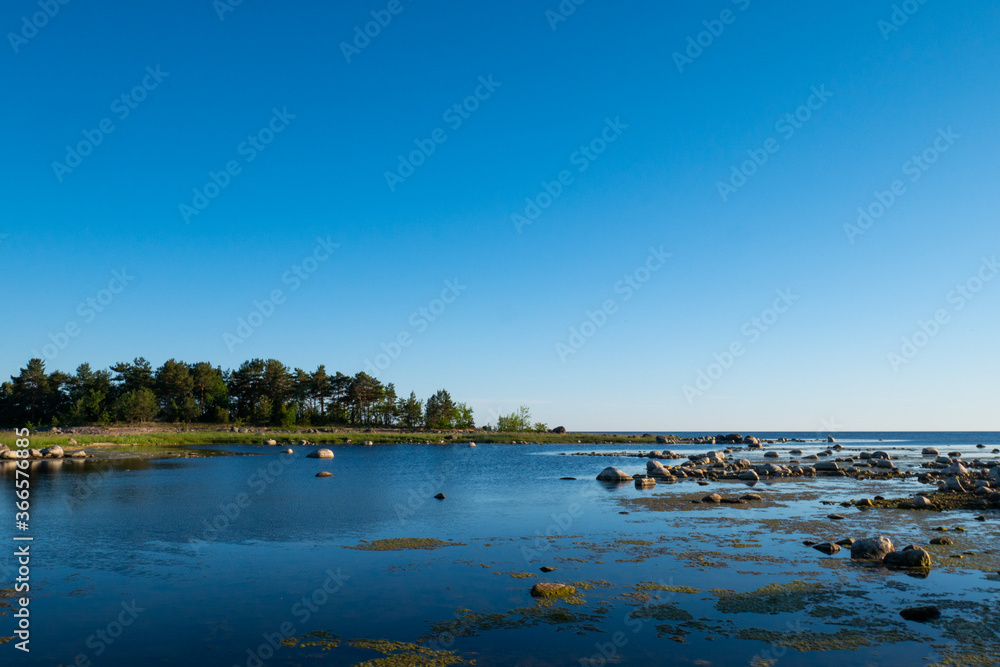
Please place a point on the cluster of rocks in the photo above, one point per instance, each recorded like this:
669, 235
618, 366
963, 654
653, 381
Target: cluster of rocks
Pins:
54, 452
879, 550
716, 465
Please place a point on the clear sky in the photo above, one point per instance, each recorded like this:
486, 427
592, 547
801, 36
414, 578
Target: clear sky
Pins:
629, 126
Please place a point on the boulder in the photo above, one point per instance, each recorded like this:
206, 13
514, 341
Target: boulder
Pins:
956, 469
271, 442
439, 496
871, 548
771, 455
661, 440
885, 463
751, 440
910, 558
942, 542
827, 466
930, 451
320, 454
644, 482
54, 452
769, 469
73, 442
749, 476
368, 443
881, 455
288, 451
830, 438
829, 548
611, 474
954, 484
922, 503
712, 498
79, 454
559, 430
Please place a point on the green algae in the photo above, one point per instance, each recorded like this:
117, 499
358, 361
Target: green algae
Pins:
771, 599
652, 586
403, 544
662, 612
843, 640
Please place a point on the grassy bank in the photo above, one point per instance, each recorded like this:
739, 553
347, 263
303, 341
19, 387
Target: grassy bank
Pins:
207, 435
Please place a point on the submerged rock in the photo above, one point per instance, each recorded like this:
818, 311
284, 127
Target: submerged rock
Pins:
921, 614
829, 548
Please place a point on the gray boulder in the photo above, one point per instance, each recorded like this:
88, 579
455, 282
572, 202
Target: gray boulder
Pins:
871, 548
611, 474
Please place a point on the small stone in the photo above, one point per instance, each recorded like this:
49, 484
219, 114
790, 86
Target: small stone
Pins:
440, 496
835, 517
943, 541
829, 548
546, 568
712, 498
324, 474
752, 496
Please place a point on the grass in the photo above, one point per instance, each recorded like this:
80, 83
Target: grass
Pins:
205, 434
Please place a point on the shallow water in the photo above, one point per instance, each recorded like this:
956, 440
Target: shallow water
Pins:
213, 555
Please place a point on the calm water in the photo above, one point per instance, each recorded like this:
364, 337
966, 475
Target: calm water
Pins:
213, 554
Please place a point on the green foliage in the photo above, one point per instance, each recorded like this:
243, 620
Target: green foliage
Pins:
515, 422
259, 392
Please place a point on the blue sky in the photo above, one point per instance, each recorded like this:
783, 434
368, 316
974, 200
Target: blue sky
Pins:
598, 101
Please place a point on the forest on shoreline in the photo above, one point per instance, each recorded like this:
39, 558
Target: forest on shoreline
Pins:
260, 393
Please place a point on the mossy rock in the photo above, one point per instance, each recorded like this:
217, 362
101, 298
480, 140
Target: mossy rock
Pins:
550, 590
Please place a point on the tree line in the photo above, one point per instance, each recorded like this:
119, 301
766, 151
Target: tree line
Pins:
260, 392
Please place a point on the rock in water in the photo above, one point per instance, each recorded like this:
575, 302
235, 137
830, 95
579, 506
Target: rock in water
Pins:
611, 474
546, 568
54, 452
271, 442
644, 482
871, 548
320, 454
661, 440
324, 474
78, 455
288, 451
440, 496
922, 503
712, 498
909, 558
942, 542
829, 548
549, 590
921, 614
